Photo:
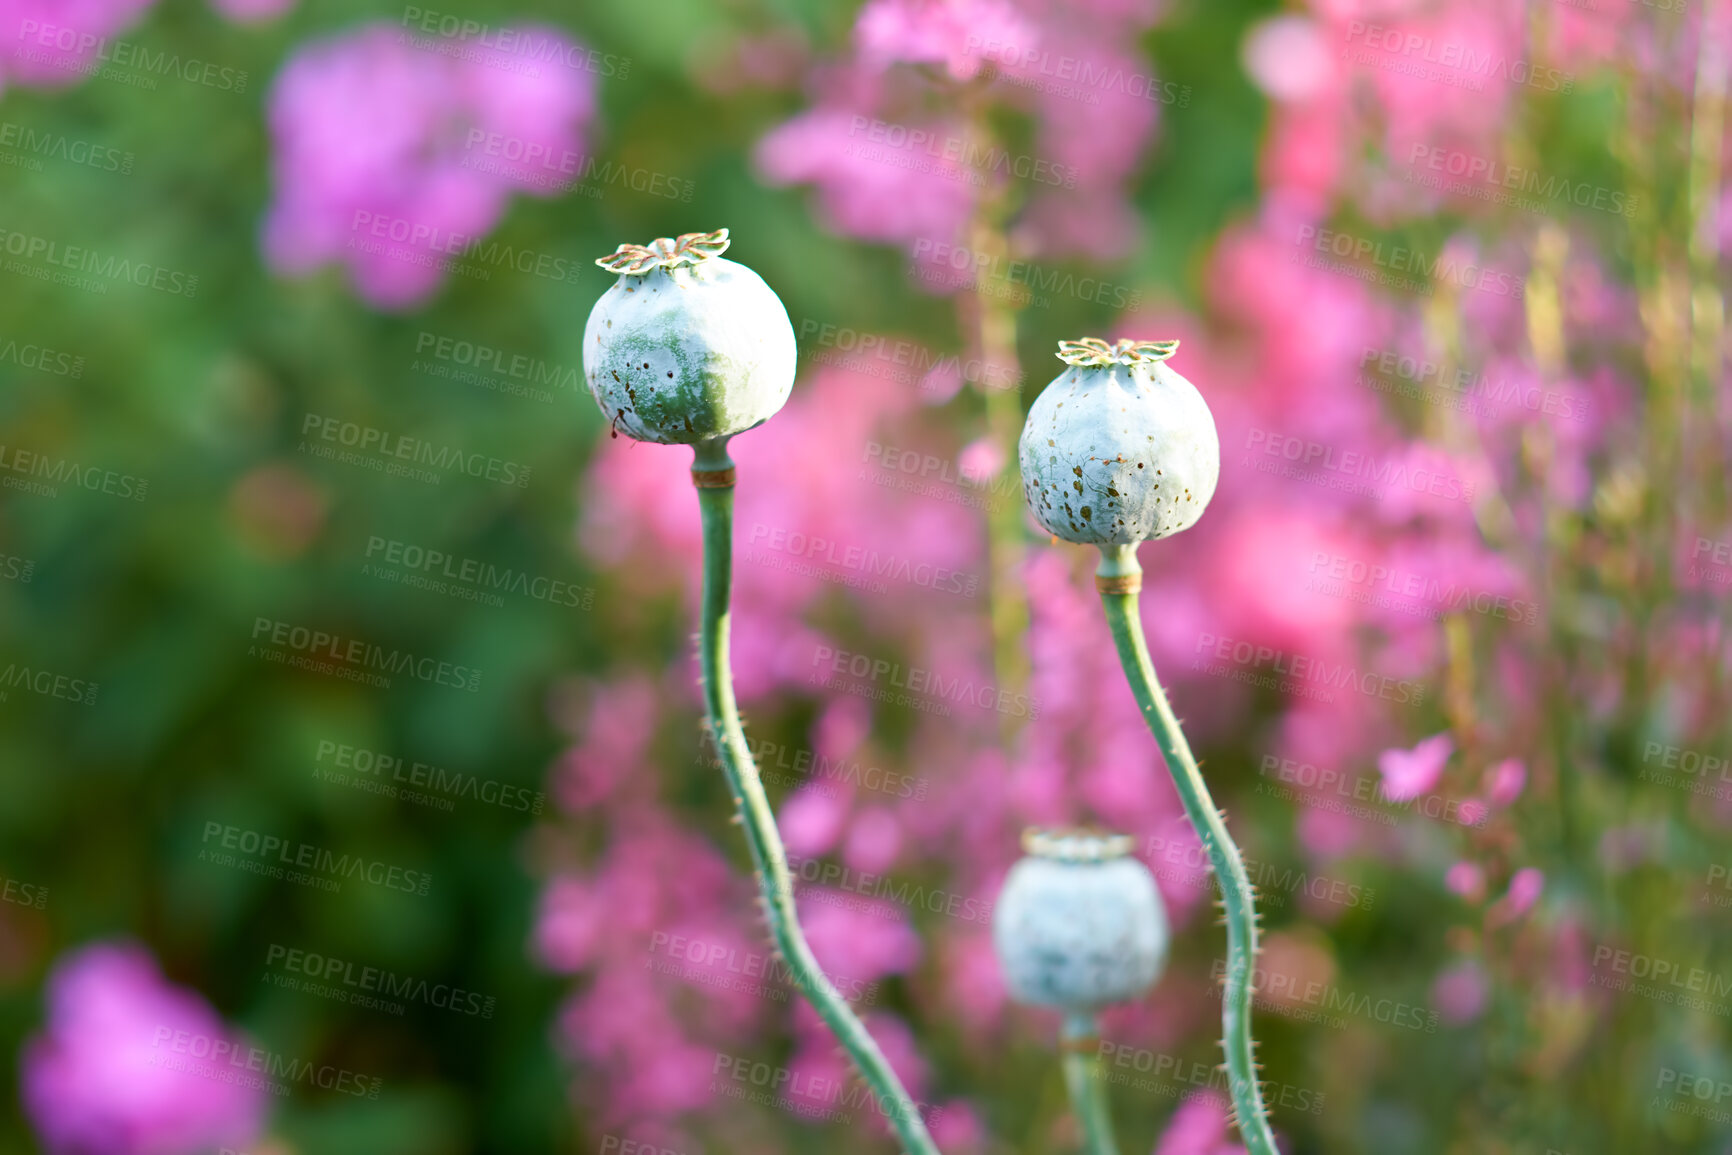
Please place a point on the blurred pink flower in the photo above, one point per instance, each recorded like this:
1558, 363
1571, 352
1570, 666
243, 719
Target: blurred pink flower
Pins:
570, 922
396, 160
956, 1127
981, 460
811, 819
1199, 1127
822, 1084
617, 729
1506, 779
57, 43
954, 33
98, 1080
874, 841
864, 939
1466, 879
252, 11
890, 183
1409, 773
1524, 890
1288, 57
1459, 994
1327, 833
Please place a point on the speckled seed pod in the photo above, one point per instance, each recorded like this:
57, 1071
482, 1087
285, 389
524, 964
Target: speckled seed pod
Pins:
687, 346
1119, 448
1079, 924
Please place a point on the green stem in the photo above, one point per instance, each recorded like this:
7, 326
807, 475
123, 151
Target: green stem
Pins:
1082, 1077
716, 500
1121, 578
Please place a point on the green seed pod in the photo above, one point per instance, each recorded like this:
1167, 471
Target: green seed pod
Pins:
687, 346
1079, 923
1118, 449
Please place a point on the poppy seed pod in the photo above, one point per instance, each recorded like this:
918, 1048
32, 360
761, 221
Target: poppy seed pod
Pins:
1118, 449
686, 346
1079, 923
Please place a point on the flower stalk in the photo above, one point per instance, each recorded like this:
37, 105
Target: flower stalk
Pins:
1119, 579
1082, 1078
713, 475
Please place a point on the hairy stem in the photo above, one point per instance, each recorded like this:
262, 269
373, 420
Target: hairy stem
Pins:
713, 474
1120, 578
1082, 1078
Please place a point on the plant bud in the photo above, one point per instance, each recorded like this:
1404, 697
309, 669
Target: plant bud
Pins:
687, 346
1079, 923
1118, 449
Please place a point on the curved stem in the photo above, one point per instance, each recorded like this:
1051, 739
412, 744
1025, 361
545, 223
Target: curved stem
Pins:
712, 472
1120, 578
1082, 1078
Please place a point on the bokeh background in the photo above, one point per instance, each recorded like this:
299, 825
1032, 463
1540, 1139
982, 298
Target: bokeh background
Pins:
355, 798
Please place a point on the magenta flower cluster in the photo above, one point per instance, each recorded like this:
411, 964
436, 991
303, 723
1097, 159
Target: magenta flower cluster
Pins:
105, 1076
396, 152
